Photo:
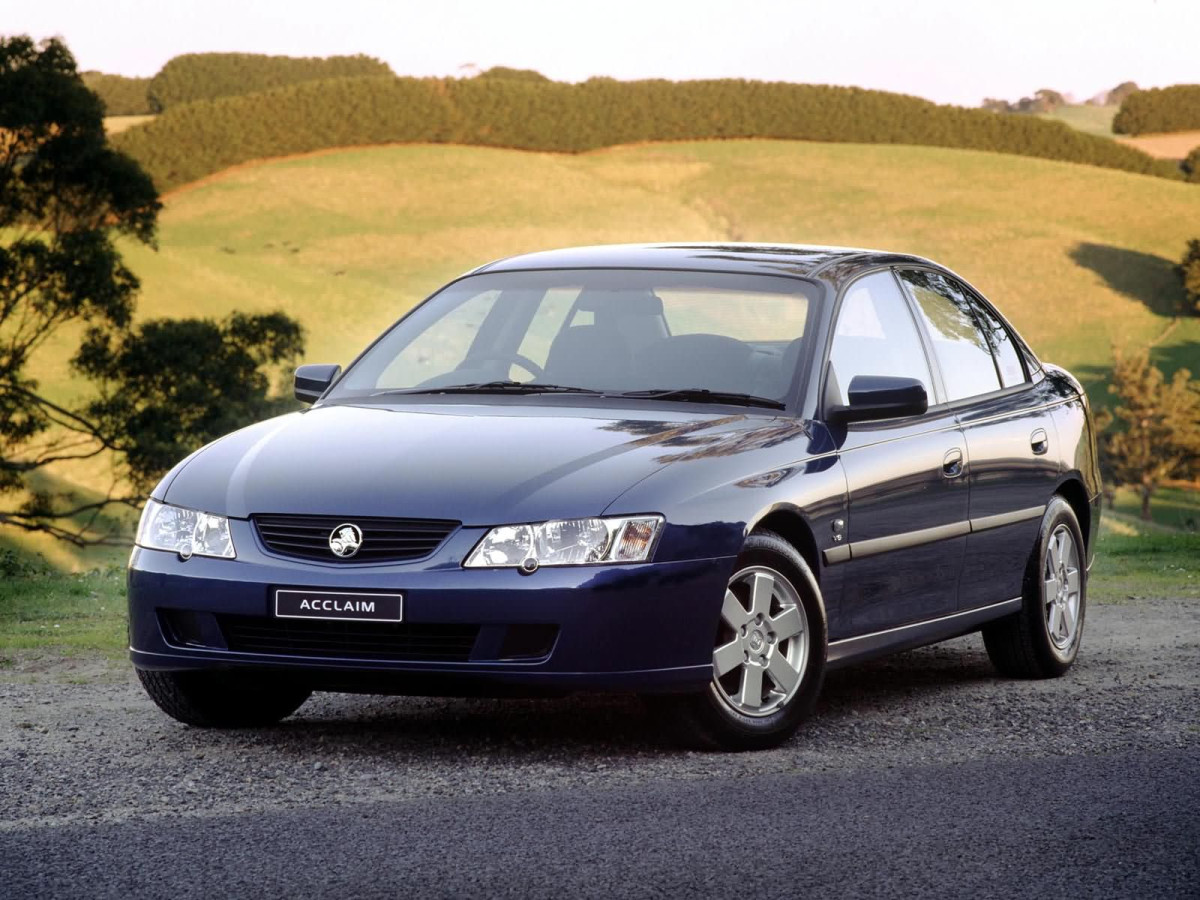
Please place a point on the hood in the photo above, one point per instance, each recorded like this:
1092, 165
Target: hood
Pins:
480, 465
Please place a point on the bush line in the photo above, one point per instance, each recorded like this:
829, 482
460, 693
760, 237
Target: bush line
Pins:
208, 76
199, 138
1175, 108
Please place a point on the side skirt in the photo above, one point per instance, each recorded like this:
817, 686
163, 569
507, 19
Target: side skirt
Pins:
880, 643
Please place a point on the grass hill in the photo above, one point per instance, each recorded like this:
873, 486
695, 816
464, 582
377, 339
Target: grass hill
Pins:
1078, 257
1097, 120
117, 124
1085, 117
1170, 145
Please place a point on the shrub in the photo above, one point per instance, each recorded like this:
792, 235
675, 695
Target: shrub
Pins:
1191, 165
1189, 272
196, 139
1175, 108
122, 96
513, 74
206, 76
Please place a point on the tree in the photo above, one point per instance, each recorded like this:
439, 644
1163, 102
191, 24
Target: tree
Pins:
1189, 273
1117, 95
1154, 432
159, 382
122, 96
1050, 100
1191, 165
65, 195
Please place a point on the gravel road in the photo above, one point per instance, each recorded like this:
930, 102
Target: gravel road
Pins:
924, 773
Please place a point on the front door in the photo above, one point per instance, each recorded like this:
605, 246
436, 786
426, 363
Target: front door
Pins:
906, 525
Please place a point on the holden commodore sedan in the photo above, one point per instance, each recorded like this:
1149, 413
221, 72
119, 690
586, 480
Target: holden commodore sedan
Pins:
707, 474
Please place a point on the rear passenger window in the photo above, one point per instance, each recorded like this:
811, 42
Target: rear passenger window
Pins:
1008, 360
875, 335
962, 350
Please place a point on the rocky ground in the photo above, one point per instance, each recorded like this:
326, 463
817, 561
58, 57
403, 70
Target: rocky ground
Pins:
925, 772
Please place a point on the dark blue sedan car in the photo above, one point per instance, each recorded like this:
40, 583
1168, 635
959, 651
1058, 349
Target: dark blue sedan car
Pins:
707, 474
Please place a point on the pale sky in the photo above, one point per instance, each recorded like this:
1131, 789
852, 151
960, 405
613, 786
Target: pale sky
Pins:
952, 51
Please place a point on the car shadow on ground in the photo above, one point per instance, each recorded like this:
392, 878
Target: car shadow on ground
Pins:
473, 728
927, 673
579, 725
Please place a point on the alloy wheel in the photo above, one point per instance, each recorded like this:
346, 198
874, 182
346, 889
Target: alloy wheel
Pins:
763, 643
1060, 574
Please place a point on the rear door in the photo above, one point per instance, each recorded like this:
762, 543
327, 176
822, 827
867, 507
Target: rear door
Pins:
1001, 406
905, 533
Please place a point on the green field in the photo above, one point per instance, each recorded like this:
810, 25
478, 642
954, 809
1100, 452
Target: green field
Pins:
1172, 507
1078, 257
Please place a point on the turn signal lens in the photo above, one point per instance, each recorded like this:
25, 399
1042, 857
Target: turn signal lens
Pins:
567, 542
635, 539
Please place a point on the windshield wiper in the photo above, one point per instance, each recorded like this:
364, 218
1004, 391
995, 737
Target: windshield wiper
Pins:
492, 387
704, 395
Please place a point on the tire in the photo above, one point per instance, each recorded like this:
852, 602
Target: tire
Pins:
1042, 640
716, 718
222, 700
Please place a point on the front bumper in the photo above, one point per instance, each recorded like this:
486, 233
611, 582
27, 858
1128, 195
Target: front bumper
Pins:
620, 627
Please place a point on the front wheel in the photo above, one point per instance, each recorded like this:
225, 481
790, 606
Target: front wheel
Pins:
768, 654
1042, 640
222, 700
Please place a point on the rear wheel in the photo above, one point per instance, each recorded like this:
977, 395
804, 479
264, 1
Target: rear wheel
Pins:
222, 700
1042, 640
768, 654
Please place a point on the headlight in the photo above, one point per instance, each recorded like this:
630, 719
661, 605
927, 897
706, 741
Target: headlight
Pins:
567, 542
187, 532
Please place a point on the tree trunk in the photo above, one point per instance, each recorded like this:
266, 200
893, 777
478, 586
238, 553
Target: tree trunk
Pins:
1146, 491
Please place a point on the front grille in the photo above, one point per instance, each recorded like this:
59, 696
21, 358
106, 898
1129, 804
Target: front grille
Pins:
397, 641
384, 540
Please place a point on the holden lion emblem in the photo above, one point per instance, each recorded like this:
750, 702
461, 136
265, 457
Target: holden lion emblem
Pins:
345, 540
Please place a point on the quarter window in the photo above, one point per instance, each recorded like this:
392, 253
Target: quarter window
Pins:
962, 350
875, 335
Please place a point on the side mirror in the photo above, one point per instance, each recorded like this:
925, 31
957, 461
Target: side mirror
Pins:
312, 381
883, 397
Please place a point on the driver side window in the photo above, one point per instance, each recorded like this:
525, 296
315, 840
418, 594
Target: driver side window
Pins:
548, 322
875, 335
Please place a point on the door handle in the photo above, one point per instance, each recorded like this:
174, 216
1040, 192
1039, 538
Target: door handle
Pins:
1039, 442
952, 463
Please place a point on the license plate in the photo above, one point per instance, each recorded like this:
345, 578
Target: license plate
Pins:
341, 605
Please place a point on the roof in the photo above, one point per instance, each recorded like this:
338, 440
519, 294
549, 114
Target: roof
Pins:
768, 259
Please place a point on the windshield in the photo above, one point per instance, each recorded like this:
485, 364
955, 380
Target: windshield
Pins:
696, 335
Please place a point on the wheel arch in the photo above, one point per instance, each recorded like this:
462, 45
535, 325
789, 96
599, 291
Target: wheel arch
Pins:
1073, 491
790, 525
